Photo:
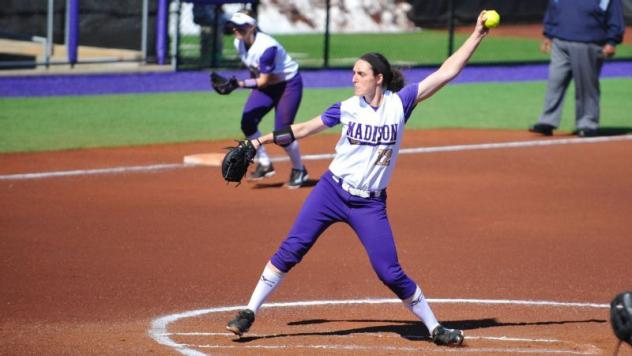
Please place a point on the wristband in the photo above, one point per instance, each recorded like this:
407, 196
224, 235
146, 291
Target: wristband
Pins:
250, 83
283, 137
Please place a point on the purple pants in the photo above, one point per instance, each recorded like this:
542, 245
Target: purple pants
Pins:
284, 97
328, 203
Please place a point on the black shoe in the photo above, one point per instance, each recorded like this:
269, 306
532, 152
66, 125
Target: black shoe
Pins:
242, 322
447, 337
543, 129
586, 132
261, 172
298, 177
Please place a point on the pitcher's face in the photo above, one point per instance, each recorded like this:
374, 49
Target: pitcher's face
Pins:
364, 81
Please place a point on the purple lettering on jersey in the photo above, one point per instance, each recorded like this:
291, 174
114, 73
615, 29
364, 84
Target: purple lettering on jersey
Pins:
267, 59
350, 128
377, 131
331, 116
386, 133
368, 130
358, 133
408, 96
371, 135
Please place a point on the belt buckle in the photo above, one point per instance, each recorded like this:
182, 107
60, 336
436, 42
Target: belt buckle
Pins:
355, 191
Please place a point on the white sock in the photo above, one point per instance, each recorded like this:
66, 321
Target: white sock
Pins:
419, 306
261, 156
295, 155
268, 282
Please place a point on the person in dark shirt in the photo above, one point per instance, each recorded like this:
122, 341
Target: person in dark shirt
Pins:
579, 34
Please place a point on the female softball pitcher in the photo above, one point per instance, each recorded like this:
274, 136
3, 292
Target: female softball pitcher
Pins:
275, 83
353, 190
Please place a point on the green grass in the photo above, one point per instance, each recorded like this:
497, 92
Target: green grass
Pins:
427, 47
56, 123
515, 106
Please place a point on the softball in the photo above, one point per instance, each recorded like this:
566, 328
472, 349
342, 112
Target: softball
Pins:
492, 18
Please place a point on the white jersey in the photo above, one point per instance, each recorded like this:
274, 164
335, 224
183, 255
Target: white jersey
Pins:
266, 55
367, 150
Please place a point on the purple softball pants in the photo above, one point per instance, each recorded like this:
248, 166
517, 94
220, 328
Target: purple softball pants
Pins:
284, 97
328, 203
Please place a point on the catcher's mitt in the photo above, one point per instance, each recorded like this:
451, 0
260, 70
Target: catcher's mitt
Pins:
621, 316
237, 160
223, 85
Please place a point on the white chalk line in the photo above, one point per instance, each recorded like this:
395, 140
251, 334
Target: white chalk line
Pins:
159, 327
377, 335
484, 146
100, 171
313, 157
401, 349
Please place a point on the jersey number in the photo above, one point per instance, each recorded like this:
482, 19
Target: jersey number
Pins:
384, 157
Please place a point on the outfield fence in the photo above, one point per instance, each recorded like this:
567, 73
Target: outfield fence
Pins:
329, 33
192, 34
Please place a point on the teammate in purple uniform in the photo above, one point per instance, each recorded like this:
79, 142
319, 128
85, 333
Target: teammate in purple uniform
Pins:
275, 83
353, 190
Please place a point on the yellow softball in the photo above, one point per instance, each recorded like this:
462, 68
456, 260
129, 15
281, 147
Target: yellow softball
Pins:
492, 18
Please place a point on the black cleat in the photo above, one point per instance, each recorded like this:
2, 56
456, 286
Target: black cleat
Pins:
242, 322
447, 337
586, 133
543, 129
261, 172
298, 177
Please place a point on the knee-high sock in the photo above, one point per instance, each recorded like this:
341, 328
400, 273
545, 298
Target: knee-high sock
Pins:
419, 306
262, 156
270, 279
295, 155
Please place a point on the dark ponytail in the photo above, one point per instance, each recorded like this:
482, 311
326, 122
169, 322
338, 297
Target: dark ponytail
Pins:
398, 81
393, 78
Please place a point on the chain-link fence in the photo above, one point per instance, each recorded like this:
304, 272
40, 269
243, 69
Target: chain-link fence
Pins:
60, 32
192, 34
321, 33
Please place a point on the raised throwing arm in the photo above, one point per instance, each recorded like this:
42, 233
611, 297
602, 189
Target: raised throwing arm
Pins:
454, 64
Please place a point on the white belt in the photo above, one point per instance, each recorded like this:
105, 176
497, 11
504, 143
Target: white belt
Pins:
355, 191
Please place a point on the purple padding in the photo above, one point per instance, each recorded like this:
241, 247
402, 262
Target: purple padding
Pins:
162, 39
163, 82
73, 31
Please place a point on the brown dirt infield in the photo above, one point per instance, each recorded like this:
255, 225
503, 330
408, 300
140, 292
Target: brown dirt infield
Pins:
88, 262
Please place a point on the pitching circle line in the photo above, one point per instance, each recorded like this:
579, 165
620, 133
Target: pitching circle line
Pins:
159, 333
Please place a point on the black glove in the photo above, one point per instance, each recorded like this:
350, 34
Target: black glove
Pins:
621, 316
222, 85
237, 160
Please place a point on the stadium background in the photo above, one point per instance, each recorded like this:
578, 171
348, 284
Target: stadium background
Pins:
117, 25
